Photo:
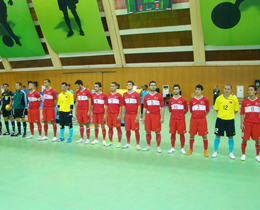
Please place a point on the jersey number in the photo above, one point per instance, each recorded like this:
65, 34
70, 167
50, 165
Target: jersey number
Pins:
225, 107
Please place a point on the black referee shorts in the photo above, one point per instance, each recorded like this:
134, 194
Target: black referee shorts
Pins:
7, 113
19, 113
65, 119
225, 125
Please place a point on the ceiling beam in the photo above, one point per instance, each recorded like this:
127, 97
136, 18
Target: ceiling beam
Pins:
6, 64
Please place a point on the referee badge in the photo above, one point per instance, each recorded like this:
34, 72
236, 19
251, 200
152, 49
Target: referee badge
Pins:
66, 96
231, 102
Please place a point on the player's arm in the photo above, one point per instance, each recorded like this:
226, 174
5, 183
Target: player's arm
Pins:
138, 114
119, 114
76, 105
123, 112
89, 107
242, 118
106, 107
162, 115
207, 107
186, 107
144, 113
216, 105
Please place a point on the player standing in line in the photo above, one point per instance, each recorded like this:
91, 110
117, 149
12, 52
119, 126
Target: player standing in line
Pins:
199, 108
48, 110
178, 107
130, 112
7, 99
250, 121
115, 102
99, 111
83, 110
65, 111
34, 116
226, 106
153, 116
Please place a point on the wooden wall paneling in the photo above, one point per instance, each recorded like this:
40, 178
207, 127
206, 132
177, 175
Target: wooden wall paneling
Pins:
107, 79
31, 63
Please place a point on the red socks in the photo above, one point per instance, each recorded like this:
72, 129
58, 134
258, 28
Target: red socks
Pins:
148, 138
88, 132
137, 136
119, 133
257, 146
46, 129
110, 134
54, 129
191, 143
128, 136
104, 134
39, 128
205, 142
158, 139
96, 133
173, 139
243, 147
81, 130
182, 138
32, 129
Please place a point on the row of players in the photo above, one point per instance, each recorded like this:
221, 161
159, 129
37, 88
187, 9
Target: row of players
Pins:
102, 108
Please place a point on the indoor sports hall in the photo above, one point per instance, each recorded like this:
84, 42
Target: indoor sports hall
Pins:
75, 76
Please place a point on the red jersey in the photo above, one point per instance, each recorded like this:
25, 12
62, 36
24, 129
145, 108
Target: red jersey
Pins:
177, 107
131, 101
34, 99
98, 102
115, 101
49, 97
83, 97
251, 110
153, 103
199, 107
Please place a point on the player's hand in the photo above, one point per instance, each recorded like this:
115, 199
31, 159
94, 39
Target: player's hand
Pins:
162, 120
70, 114
137, 119
105, 118
76, 114
143, 120
10, 2
89, 113
118, 118
242, 127
58, 114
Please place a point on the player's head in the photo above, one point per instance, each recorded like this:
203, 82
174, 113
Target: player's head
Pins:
118, 86
5, 86
145, 87
18, 85
176, 89
227, 89
68, 86
252, 90
47, 83
79, 84
31, 86
97, 87
152, 86
64, 86
216, 86
130, 85
199, 90
113, 87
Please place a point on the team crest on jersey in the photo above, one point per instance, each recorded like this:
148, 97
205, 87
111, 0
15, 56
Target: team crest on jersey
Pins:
66, 96
179, 102
257, 104
202, 102
231, 102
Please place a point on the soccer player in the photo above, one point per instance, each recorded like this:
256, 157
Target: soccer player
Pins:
130, 112
115, 102
20, 102
99, 110
153, 116
178, 107
35, 101
83, 110
226, 106
65, 110
7, 99
48, 110
199, 108
250, 121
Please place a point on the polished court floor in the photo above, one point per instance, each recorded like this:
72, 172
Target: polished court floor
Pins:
46, 175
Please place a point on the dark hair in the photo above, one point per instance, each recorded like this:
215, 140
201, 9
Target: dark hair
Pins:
19, 83
114, 83
64, 83
48, 80
253, 86
131, 82
24, 86
228, 85
152, 82
6, 84
176, 85
98, 83
68, 84
146, 86
31, 83
78, 82
118, 86
200, 87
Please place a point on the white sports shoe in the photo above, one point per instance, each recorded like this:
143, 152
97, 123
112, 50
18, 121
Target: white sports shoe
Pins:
94, 142
215, 154
87, 141
44, 138
109, 144
183, 151
104, 143
138, 147
243, 158
80, 141
30, 137
126, 146
39, 138
54, 139
159, 149
257, 158
171, 151
231, 156
146, 148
